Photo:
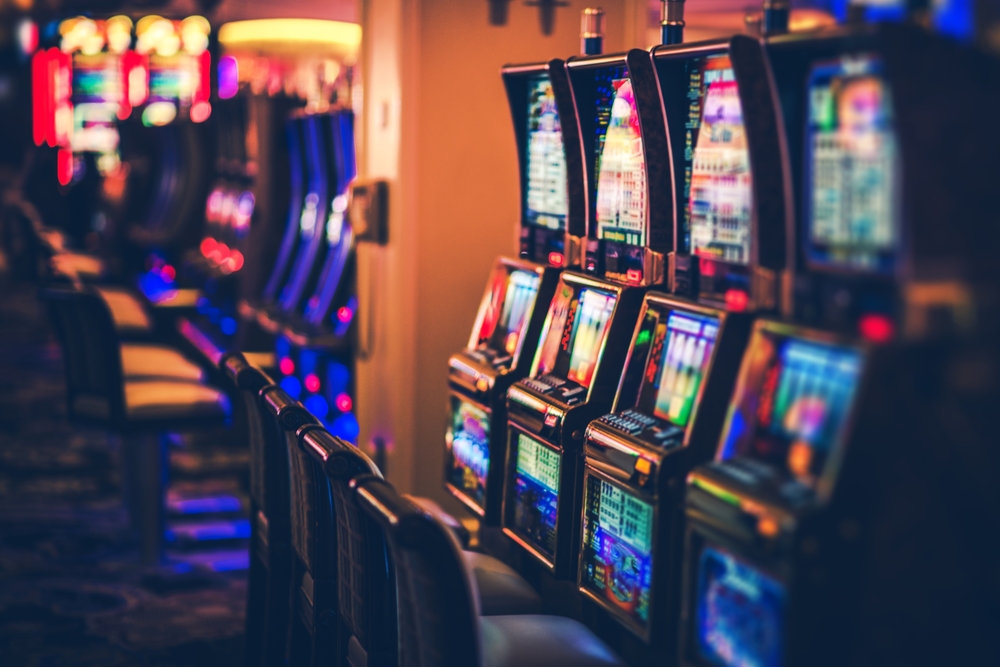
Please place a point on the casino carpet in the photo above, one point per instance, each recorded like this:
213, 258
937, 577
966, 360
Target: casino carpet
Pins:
71, 589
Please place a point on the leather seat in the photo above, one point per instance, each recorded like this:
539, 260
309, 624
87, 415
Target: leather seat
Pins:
128, 313
501, 589
146, 361
164, 399
542, 641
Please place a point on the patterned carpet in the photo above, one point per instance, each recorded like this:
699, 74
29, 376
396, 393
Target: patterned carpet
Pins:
71, 589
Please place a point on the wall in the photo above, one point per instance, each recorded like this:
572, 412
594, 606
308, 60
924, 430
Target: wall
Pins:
439, 128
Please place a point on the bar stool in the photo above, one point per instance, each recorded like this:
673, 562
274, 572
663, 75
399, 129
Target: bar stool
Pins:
101, 389
269, 577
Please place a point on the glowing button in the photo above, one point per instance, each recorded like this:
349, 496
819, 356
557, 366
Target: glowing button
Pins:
344, 314
556, 259
876, 327
286, 366
312, 383
344, 403
634, 276
736, 300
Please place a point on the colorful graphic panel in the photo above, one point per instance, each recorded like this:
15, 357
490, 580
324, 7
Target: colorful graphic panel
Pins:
617, 548
620, 164
795, 398
468, 439
717, 164
511, 300
536, 493
589, 331
852, 166
547, 188
740, 612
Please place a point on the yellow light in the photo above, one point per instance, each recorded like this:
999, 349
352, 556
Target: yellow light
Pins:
293, 36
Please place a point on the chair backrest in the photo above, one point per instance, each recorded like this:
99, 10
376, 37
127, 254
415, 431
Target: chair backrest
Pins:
366, 581
310, 505
250, 381
91, 351
438, 610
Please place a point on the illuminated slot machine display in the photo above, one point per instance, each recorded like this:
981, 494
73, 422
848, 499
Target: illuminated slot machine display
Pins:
178, 67
776, 474
872, 256
684, 352
830, 436
666, 419
731, 213
591, 318
512, 310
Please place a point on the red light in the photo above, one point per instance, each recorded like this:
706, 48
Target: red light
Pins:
344, 314
64, 166
556, 259
236, 257
344, 403
312, 383
286, 366
706, 267
736, 300
208, 244
876, 327
200, 111
39, 96
169, 273
634, 276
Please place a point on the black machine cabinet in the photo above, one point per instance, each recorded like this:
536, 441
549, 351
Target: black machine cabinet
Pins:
573, 377
553, 204
901, 248
846, 520
732, 202
668, 412
512, 312
627, 168
499, 353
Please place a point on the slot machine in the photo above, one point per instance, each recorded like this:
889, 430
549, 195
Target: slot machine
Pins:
592, 315
316, 336
512, 310
785, 560
888, 235
685, 350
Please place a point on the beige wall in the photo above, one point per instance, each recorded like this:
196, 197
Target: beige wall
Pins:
438, 125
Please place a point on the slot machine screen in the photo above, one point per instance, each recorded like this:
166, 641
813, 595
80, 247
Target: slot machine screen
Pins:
620, 162
547, 187
851, 166
505, 318
739, 612
679, 359
536, 493
468, 439
793, 399
717, 183
97, 95
574, 335
617, 548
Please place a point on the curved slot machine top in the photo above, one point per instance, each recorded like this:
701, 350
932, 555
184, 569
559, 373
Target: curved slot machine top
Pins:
553, 203
731, 195
298, 174
627, 167
887, 230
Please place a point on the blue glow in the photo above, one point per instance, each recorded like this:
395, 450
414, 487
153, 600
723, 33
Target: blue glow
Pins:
282, 348
307, 362
292, 386
228, 326
208, 505
955, 18
346, 427
317, 405
337, 377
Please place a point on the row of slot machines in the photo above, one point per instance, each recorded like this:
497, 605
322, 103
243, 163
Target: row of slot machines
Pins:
690, 395
281, 282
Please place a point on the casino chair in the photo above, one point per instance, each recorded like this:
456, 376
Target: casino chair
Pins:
439, 614
314, 629
137, 390
269, 579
